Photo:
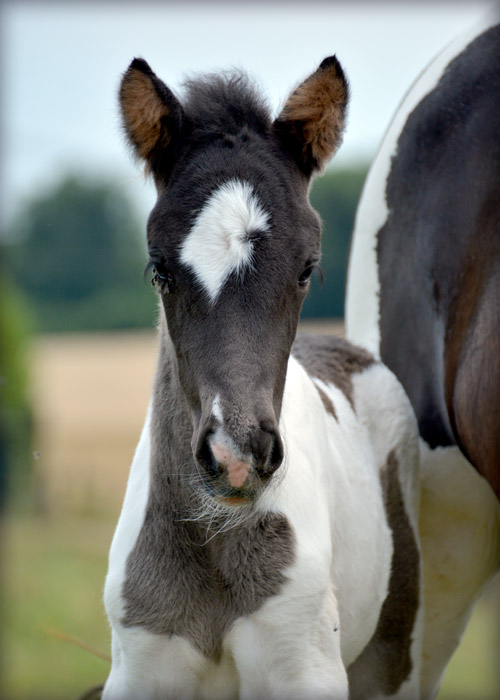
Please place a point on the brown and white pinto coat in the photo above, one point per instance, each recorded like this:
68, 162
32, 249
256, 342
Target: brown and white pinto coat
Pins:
267, 544
424, 296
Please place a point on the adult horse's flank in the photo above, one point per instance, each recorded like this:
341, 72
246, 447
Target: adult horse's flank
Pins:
424, 295
267, 543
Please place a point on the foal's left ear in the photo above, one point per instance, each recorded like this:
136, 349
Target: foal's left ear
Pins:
311, 123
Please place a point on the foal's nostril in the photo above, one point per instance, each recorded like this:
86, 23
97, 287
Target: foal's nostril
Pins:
276, 456
269, 451
204, 455
260, 444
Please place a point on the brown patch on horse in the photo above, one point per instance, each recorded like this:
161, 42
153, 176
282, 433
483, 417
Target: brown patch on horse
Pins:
472, 350
385, 663
314, 114
476, 388
326, 402
332, 359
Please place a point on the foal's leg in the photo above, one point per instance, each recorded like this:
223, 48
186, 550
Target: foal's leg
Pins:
286, 651
152, 667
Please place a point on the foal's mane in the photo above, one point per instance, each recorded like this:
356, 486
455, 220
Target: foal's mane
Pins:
225, 103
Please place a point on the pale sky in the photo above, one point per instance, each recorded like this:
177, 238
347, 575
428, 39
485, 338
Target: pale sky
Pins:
62, 63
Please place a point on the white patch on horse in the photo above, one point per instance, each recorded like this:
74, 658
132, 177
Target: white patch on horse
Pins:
129, 525
363, 285
331, 468
173, 668
217, 409
219, 242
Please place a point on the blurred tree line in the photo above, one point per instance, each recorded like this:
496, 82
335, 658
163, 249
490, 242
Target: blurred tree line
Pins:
15, 409
78, 252
335, 196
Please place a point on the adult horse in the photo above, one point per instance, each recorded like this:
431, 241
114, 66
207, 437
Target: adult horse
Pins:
267, 544
424, 295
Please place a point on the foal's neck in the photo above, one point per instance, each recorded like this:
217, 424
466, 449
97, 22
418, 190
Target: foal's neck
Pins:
171, 428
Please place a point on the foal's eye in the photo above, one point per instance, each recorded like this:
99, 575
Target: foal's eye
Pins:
305, 275
162, 278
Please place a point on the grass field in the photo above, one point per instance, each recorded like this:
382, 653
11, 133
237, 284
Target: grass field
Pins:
90, 395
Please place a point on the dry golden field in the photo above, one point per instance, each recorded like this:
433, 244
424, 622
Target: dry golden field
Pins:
90, 394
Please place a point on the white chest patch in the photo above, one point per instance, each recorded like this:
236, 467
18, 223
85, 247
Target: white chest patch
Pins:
219, 242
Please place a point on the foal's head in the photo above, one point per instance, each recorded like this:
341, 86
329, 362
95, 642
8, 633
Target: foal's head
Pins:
232, 242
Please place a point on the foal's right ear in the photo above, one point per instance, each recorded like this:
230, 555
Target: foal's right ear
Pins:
152, 117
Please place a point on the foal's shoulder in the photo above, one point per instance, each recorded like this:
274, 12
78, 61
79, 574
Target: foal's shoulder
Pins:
332, 360
367, 383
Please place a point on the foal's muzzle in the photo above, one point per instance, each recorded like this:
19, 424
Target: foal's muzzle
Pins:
240, 466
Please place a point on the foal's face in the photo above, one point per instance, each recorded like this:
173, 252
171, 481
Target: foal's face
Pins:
233, 242
233, 262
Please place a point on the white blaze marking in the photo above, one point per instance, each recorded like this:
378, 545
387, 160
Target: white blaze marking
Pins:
217, 409
218, 243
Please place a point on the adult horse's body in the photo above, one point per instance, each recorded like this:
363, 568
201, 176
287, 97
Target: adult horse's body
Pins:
267, 543
424, 296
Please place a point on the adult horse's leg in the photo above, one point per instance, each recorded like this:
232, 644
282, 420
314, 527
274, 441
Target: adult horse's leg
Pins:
460, 515
460, 540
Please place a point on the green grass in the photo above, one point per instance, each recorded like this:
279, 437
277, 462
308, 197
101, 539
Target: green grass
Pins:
53, 579
53, 575
473, 672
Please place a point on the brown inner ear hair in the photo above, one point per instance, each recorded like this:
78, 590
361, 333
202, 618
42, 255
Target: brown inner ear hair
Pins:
142, 111
315, 111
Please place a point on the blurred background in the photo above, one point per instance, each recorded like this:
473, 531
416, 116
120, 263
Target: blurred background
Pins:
77, 345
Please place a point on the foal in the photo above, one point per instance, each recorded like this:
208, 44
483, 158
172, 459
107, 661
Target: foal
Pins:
267, 543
